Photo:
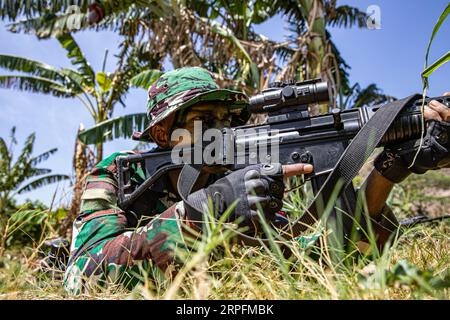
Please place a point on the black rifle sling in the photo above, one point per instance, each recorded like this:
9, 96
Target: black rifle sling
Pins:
188, 176
342, 175
354, 157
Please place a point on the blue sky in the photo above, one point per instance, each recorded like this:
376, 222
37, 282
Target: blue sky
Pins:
392, 57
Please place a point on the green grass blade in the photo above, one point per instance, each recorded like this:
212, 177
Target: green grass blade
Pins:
436, 29
442, 60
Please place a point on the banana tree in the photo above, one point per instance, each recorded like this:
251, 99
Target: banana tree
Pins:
49, 19
310, 52
15, 175
19, 175
98, 92
219, 36
357, 96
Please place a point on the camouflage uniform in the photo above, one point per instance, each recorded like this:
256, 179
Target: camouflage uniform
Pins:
112, 245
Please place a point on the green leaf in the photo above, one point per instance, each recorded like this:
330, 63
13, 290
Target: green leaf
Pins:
74, 81
24, 217
251, 67
51, 25
36, 85
61, 20
145, 79
35, 68
38, 172
43, 156
103, 81
436, 28
77, 58
438, 63
345, 16
38, 183
12, 9
120, 127
5, 156
21, 168
27, 150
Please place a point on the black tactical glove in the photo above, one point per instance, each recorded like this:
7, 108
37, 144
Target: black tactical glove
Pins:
394, 161
254, 184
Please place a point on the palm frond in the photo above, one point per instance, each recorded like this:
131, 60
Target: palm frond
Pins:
77, 58
131, 62
249, 69
368, 96
4, 152
43, 156
27, 150
50, 24
38, 172
62, 19
74, 81
20, 170
371, 95
12, 9
120, 127
5, 160
36, 85
343, 72
38, 183
35, 68
127, 66
145, 79
345, 16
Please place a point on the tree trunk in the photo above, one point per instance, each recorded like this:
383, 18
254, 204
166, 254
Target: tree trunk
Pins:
99, 153
80, 166
3, 239
316, 45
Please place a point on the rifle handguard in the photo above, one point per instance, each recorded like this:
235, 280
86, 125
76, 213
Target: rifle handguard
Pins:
398, 161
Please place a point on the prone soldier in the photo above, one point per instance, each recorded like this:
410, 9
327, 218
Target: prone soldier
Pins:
110, 244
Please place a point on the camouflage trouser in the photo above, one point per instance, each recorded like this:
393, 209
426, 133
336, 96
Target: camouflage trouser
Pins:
105, 251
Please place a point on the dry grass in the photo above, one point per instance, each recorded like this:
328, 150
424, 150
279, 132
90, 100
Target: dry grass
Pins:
415, 267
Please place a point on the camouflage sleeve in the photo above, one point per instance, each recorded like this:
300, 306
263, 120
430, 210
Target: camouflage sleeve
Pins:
100, 189
102, 242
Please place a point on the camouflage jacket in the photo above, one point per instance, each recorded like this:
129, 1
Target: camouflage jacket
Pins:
109, 243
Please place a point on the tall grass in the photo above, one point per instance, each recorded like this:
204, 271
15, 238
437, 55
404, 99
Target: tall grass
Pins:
414, 266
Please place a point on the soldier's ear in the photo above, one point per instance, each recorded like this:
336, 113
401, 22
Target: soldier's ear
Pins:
161, 131
160, 135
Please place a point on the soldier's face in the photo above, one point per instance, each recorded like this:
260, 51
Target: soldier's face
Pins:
210, 115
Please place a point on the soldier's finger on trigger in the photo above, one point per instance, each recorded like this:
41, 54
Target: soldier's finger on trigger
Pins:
296, 169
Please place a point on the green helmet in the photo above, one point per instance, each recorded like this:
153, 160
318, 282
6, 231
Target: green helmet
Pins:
181, 88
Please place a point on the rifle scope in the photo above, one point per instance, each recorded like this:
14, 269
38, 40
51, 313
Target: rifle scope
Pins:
290, 93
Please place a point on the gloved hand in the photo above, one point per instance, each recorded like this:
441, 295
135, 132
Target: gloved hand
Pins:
255, 184
393, 163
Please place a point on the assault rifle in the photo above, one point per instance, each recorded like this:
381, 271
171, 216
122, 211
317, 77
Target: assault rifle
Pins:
336, 144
